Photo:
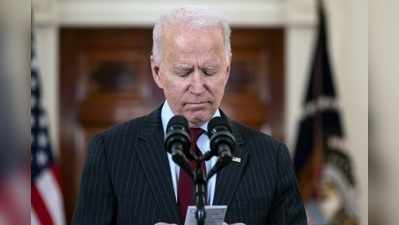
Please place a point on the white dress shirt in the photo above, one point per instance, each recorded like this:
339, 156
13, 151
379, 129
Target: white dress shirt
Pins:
203, 145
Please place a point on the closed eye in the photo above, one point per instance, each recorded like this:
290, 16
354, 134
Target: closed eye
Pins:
209, 72
183, 72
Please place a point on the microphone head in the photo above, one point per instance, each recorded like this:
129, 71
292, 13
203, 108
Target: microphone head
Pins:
218, 123
177, 121
221, 136
177, 136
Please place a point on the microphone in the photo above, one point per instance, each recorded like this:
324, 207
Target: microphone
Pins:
177, 141
222, 143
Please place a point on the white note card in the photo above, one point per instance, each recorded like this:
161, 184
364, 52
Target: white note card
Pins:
214, 215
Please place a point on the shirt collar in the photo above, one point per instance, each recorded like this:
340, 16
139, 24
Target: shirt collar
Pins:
167, 114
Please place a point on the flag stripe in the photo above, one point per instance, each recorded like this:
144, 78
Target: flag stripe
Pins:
40, 207
33, 218
57, 173
49, 190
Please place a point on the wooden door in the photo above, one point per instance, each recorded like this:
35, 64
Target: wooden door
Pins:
106, 79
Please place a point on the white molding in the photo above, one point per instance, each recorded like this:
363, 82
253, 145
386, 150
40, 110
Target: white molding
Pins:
137, 13
300, 13
45, 12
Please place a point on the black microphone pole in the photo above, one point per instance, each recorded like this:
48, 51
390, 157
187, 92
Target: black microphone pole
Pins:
222, 143
200, 190
177, 143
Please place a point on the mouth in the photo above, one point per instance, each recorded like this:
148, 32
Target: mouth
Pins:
196, 105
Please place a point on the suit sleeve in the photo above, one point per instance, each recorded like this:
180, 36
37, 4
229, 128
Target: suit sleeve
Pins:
96, 202
287, 207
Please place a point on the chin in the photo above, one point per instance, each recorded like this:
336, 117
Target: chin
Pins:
197, 119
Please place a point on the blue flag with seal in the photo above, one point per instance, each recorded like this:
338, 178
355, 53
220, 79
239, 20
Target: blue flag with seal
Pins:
322, 163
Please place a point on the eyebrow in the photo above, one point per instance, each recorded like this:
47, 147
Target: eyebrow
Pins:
182, 66
210, 67
182, 69
186, 67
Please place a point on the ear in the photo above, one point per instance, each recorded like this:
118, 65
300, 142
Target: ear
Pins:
228, 66
155, 72
228, 72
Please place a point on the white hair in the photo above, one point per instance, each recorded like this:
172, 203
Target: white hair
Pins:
194, 17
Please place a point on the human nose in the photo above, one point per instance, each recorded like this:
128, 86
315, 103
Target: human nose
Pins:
197, 83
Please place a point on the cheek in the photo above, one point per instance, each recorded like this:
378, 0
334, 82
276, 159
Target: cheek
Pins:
174, 89
218, 87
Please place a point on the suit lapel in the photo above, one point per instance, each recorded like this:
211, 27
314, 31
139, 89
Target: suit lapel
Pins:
228, 178
153, 157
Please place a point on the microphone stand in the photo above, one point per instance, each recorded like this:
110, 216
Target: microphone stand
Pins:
222, 144
200, 181
200, 184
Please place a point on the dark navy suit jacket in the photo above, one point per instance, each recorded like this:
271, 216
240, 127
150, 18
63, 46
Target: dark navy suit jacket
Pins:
126, 179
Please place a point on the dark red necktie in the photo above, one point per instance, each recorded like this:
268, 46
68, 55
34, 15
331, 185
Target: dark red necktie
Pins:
185, 189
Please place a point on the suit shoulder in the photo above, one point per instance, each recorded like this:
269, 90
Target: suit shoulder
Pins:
261, 144
121, 129
250, 134
116, 140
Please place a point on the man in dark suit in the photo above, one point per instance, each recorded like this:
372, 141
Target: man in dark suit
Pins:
129, 178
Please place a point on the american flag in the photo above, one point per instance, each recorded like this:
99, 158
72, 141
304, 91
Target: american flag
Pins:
46, 197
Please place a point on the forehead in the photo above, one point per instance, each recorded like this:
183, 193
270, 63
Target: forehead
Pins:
183, 40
